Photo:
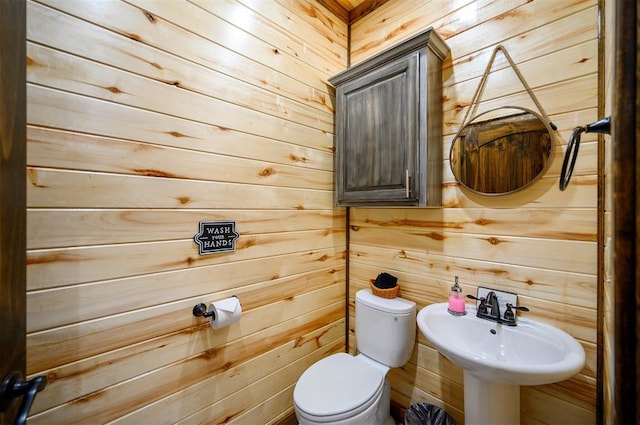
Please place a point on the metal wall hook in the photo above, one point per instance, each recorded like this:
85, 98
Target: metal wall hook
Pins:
602, 126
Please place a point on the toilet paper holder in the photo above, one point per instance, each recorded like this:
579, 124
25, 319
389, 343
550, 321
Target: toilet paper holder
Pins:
200, 310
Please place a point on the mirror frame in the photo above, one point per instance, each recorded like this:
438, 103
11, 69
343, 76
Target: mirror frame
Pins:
544, 120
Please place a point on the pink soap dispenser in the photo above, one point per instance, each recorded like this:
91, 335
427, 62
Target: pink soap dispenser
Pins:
457, 306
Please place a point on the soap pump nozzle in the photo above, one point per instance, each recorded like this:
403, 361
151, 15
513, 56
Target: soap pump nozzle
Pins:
456, 287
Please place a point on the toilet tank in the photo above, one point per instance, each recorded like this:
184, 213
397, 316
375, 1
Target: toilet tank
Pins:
385, 328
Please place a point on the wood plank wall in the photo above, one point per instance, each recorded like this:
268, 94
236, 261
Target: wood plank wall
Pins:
144, 118
540, 243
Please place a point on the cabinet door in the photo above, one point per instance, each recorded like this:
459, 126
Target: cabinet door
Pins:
377, 129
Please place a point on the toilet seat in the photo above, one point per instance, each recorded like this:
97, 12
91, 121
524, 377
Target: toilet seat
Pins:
336, 388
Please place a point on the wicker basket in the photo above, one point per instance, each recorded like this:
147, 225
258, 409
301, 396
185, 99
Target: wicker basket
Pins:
383, 293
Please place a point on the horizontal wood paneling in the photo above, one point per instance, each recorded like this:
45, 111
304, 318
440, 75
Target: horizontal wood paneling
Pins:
206, 357
123, 23
198, 137
469, 21
56, 188
145, 118
65, 151
303, 15
531, 223
526, 252
540, 243
114, 226
51, 68
579, 93
91, 263
52, 307
52, 108
552, 285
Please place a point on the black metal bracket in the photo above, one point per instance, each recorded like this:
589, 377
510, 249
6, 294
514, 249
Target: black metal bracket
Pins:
200, 310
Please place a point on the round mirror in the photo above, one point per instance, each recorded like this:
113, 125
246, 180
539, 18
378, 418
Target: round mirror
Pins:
501, 151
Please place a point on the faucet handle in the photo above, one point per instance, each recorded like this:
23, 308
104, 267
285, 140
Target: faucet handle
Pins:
516, 307
509, 316
482, 308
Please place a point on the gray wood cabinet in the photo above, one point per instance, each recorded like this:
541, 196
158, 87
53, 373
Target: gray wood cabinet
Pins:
389, 126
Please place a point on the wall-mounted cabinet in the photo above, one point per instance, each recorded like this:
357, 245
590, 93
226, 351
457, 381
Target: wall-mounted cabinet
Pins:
389, 126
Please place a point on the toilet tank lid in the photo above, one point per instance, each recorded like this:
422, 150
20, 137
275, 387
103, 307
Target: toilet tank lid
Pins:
393, 305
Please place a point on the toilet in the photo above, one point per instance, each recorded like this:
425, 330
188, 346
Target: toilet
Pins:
344, 389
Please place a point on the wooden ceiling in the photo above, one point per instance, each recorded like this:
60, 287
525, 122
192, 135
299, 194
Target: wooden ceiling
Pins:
351, 10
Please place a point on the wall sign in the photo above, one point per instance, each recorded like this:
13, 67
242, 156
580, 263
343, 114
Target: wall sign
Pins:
216, 236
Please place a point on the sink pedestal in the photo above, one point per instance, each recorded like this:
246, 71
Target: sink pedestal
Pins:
490, 403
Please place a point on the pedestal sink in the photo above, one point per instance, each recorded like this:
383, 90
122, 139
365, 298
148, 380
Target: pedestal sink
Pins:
497, 359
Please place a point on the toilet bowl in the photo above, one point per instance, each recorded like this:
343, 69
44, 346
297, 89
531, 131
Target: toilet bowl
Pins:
342, 389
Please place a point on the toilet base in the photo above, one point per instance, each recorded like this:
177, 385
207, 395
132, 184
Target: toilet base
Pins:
390, 421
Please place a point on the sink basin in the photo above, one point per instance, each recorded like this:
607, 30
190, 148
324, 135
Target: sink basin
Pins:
531, 353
